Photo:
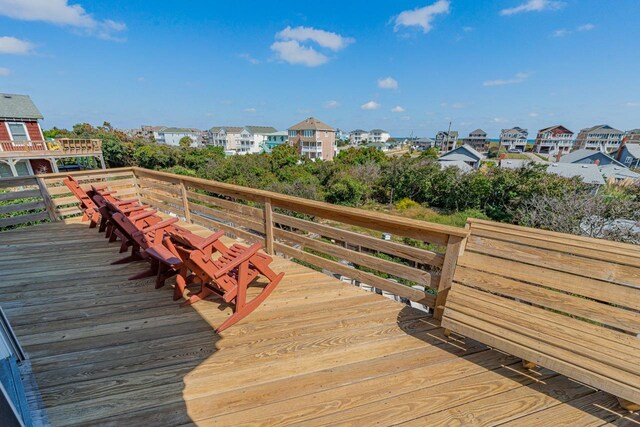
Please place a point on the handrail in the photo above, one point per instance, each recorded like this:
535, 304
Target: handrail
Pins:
336, 243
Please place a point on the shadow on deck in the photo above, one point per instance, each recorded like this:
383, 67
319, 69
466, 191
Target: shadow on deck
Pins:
105, 350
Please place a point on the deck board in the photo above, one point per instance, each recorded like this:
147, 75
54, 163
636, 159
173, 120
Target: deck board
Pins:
109, 351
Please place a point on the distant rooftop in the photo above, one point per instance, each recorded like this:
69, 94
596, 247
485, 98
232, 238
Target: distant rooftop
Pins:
180, 130
590, 173
18, 107
311, 123
261, 129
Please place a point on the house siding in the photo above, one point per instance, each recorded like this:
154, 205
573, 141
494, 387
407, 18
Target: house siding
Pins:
4, 131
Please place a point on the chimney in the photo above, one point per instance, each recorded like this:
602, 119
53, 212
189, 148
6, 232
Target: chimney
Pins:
597, 162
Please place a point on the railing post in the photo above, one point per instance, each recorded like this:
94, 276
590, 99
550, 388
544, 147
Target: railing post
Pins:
185, 202
51, 209
268, 225
454, 246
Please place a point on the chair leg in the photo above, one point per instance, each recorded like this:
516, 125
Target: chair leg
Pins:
204, 292
152, 271
244, 309
135, 256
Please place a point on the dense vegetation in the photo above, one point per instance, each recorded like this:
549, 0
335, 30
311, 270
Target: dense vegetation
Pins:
414, 186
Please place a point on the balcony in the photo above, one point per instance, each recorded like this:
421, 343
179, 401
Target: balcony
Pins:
321, 350
58, 148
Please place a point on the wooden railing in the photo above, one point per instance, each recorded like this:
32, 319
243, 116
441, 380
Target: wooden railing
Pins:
417, 264
58, 146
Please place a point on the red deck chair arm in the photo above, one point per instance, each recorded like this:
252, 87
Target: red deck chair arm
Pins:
143, 215
243, 257
209, 240
133, 209
160, 225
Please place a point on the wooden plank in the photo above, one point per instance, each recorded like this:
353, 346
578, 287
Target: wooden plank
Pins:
61, 201
23, 219
378, 282
17, 207
227, 205
185, 202
610, 272
268, 226
149, 185
161, 205
46, 197
580, 341
16, 195
579, 285
565, 245
216, 225
391, 248
607, 314
554, 236
18, 181
454, 246
238, 220
382, 265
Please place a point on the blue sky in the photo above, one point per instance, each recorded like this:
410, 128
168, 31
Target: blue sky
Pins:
405, 66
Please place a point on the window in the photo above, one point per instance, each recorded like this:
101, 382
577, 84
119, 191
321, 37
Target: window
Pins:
18, 132
307, 133
292, 133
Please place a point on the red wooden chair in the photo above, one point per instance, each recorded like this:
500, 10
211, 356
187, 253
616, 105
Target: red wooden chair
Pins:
87, 205
107, 205
228, 276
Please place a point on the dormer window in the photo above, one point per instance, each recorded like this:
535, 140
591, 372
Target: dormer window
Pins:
18, 132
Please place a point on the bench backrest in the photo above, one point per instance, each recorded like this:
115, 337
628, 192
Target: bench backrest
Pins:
85, 201
568, 303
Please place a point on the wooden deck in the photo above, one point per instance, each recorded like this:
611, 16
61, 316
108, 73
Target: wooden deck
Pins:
105, 350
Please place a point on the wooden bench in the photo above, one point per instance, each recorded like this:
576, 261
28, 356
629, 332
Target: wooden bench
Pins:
568, 303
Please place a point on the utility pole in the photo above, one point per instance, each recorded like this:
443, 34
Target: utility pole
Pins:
448, 136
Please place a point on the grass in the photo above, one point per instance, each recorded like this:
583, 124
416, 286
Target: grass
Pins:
520, 156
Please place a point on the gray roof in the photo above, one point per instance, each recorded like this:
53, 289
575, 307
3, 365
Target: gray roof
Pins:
461, 150
311, 124
634, 150
179, 130
377, 145
618, 172
378, 131
608, 128
583, 153
478, 131
589, 173
228, 129
261, 129
358, 131
460, 164
278, 133
18, 107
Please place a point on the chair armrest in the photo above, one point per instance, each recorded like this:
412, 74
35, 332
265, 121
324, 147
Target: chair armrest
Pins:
159, 225
134, 209
143, 215
244, 256
209, 240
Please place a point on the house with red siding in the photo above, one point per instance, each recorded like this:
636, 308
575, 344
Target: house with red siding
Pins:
23, 149
554, 140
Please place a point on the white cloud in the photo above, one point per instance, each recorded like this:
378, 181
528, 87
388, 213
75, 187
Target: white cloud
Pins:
4, 72
15, 46
388, 83
632, 104
326, 39
398, 109
249, 58
518, 78
586, 27
533, 6
290, 47
533, 114
292, 52
59, 12
250, 110
564, 32
331, 104
500, 120
467, 29
422, 17
371, 105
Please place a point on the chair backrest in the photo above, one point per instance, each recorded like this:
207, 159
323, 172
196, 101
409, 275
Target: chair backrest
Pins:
85, 201
568, 303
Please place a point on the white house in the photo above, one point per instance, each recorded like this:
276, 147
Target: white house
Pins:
379, 135
601, 137
252, 138
514, 138
225, 136
172, 136
358, 136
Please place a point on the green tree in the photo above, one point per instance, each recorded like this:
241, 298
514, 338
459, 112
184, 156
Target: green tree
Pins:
185, 142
